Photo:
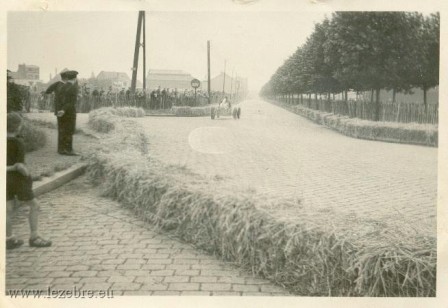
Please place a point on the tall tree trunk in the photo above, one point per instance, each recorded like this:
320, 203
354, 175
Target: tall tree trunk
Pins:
425, 102
394, 92
346, 95
371, 96
377, 105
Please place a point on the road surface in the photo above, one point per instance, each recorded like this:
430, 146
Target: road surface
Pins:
282, 154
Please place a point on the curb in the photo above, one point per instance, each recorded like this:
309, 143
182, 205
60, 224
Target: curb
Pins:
58, 179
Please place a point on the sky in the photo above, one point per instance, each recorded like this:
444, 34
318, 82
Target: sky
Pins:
252, 44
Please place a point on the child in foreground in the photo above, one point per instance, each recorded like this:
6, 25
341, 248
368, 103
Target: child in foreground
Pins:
19, 184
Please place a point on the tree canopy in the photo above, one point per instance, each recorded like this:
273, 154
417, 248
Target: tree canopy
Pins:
362, 51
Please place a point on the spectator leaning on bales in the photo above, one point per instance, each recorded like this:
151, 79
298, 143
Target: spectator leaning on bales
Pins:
19, 184
67, 113
56, 88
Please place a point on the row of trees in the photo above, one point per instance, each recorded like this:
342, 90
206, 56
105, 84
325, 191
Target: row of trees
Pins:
363, 51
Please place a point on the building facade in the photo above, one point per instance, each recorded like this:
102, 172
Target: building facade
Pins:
169, 79
27, 75
116, 80
227, 83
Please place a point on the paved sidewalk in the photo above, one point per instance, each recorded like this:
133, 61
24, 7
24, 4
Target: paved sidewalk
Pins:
98, 245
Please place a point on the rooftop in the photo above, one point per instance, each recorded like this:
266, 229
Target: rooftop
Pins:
167, 72
112, 75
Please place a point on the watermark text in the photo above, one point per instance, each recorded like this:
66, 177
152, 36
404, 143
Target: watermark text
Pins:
55, 293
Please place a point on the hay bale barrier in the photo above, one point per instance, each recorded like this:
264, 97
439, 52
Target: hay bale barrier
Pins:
408, 133
33, 137
104, 120
305, 253
186, 111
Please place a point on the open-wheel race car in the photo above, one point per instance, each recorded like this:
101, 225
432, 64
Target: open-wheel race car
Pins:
225, 109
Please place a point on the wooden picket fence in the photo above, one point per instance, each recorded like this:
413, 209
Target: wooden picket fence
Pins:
388, 112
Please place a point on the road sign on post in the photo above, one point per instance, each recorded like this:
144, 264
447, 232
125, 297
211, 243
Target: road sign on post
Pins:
195, 83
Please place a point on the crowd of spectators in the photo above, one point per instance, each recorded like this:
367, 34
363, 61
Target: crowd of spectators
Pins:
154, 99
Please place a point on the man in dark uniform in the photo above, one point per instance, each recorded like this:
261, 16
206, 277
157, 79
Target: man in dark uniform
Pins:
56, 88
66, 112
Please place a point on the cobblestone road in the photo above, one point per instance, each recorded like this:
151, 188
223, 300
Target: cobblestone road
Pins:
280, 153
270, 149
98, 245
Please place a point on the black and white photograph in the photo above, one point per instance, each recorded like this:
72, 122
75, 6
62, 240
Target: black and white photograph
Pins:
234, 152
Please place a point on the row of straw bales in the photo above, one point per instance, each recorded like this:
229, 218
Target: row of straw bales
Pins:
104, 120
186, 111
308, 254
409, 133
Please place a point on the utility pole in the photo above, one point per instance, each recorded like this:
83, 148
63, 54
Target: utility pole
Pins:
237, 87
224, 81
231, 85
208, 68
136, 51
144, 52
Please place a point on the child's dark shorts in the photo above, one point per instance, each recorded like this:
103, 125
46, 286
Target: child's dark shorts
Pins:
20, 186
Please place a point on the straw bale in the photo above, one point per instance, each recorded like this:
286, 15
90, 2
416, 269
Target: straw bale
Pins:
410, 133
33, 137
186, 111
306, 251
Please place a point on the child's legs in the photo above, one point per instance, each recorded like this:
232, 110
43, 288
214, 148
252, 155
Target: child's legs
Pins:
33, 217
9, 215
26, 197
